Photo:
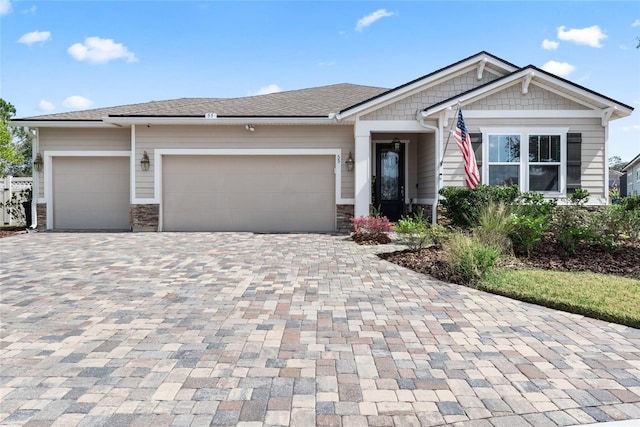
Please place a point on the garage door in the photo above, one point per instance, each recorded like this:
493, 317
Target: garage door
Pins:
91, 193
248, 193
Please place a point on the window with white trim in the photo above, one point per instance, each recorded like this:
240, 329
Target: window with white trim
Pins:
504, 159
534, 159
544, 163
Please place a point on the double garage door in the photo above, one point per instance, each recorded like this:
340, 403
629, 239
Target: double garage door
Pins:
248, 193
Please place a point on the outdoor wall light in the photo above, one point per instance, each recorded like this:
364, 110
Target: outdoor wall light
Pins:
250, 127
38, 163
144, 163
349, 162
396, 144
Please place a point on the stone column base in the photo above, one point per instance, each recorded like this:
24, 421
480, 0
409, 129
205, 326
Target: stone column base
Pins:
343, 218
41, 216
144, 217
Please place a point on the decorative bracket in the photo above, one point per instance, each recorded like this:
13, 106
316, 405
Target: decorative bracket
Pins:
481, 66
448, 114
525, 83
606, 115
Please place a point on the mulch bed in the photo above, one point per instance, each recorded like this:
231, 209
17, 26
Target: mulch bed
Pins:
624, 261
6, 232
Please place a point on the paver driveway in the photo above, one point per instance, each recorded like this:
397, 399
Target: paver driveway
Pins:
296, 330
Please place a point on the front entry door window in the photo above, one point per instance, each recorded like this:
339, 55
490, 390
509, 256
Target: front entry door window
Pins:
390, 181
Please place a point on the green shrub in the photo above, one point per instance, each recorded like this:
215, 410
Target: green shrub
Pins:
579, 197
571, 228
533, 203
468, 259
531, 218
627, 220
462, 205
631, 203
527, 232
605, 227
413, 231
438, 235
631, 225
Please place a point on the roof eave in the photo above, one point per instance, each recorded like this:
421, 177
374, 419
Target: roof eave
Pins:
635, 160
619, 109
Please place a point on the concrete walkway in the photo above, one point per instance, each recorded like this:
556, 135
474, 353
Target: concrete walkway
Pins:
199, 329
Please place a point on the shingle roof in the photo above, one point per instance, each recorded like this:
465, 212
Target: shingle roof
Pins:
313, 102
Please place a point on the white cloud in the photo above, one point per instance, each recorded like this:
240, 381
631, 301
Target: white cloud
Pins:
636, 23
100, 51
272, 88
77, 102
45, 105
590, 36
5, 7
35, 37
370, 19
550, 44
559, 68
31, 10
327, 63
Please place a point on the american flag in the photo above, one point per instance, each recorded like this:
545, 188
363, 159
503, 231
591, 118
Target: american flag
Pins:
464, 143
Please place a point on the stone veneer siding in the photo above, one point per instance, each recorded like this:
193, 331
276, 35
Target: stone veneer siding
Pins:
41, 216
144, 217
344, 215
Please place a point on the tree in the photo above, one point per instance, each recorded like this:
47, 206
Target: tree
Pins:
616, 163
15, 144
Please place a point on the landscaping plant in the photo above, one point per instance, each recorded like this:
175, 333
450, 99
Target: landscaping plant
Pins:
495, 226
371, 229
531, 218
468, 259
461, 205
413, 230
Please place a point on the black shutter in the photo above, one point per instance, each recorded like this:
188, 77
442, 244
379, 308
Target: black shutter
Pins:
476, 143
574, 161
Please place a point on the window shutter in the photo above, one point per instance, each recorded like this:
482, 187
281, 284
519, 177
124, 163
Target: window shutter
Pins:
574, 161
476, 143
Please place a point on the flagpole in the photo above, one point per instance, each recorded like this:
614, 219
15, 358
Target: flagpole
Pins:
455, 117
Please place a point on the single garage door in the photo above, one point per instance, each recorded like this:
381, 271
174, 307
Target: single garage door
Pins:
91, 193
248, 193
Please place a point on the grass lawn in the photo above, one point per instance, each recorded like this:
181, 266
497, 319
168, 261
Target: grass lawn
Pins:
606, 297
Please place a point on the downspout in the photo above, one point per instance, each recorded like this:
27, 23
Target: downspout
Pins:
434, 210
35, 181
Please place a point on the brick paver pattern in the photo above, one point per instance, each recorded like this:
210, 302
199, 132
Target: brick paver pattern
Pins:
199, 329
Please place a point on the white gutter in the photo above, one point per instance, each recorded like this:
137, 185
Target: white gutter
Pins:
436, 130
63, 124
214, 120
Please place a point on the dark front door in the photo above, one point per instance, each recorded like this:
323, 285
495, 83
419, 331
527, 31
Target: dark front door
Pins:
390, 185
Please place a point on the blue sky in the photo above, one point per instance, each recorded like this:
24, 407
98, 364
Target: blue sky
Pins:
63, 55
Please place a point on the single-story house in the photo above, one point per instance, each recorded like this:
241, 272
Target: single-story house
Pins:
310, 159
632, 171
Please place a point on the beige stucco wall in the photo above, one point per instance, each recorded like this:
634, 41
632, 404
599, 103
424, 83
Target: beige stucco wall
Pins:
237, 137
82, 139
406, 108
593, 155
